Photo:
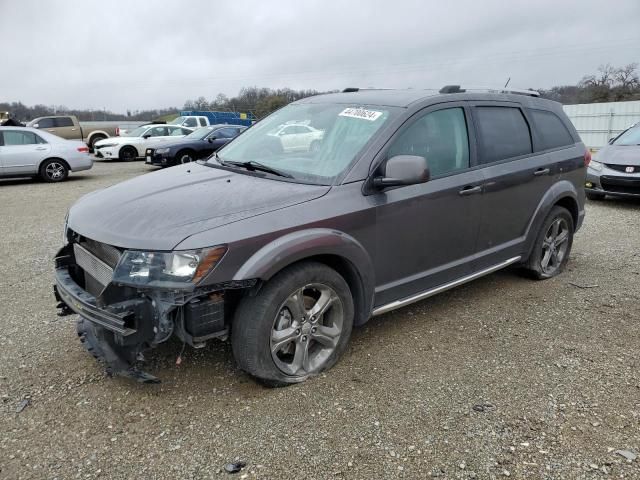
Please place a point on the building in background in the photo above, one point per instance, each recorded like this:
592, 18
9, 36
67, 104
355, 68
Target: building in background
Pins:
598, 122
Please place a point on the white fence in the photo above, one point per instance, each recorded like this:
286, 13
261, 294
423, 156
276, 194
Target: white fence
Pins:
598, 122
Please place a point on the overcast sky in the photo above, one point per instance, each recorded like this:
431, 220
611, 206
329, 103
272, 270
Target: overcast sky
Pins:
142, 54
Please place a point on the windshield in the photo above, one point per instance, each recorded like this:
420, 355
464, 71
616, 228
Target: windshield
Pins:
177, 121
312, 143
630, 137
137, 132
199, 134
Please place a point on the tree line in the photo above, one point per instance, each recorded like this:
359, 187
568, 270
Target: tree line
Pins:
608, 84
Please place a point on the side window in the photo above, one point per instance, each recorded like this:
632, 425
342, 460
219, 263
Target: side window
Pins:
174, 132
504, 133
46, 123
184, 131
225, 133
441, 137
158, 131
64, 122
289, 130
12, 137
552, 132
203, 122
190, 122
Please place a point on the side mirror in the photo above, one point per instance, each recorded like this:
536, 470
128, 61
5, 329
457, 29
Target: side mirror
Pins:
146, 136
35, 125
609, 142
211, 139
404, 170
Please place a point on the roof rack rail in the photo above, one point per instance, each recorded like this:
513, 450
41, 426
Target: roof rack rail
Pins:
458, 89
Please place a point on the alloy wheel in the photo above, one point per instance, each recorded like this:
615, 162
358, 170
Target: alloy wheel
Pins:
54, 171
307, 329
554, 246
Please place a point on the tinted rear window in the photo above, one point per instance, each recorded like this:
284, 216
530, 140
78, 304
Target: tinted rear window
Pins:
504, 133
551, 130
64, 122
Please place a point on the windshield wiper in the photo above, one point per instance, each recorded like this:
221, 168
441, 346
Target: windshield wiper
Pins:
252, 166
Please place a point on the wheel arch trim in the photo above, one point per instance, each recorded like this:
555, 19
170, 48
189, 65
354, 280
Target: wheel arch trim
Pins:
315, 244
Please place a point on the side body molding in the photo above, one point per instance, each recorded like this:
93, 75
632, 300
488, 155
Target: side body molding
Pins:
303, 244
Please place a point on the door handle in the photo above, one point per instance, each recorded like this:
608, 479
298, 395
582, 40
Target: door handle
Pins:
73, 129
41, 148
51, 130
541, 171
470, 190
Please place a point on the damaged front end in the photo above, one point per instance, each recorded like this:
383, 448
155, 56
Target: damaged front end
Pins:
130, 301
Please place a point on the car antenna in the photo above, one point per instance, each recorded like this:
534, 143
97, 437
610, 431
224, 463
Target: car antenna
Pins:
508, 80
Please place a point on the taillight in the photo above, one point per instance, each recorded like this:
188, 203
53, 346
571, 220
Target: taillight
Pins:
587, 158
117, 131
83, 149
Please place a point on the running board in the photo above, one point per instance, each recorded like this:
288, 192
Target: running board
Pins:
434, 291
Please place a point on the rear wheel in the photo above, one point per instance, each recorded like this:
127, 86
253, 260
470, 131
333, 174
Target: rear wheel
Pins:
297, 326
54, 170
127, 154
553, 245
595, 196
94, 140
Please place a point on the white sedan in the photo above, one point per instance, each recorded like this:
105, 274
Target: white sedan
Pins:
298, 137
135, 142
28, 151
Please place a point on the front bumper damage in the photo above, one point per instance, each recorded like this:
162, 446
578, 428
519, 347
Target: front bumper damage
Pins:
118, 323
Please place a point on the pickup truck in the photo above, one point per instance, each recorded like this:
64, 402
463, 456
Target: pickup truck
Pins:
191, 121
68, 126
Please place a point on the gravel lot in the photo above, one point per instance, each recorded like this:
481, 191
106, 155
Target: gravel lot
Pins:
552, 369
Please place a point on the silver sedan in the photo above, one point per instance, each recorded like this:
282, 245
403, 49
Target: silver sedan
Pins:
616, 169
27, 151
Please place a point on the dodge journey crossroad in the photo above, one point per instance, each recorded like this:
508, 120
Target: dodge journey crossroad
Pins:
329, 211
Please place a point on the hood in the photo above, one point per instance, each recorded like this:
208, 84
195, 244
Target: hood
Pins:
117, 141
158, 210
619, 155
176, 142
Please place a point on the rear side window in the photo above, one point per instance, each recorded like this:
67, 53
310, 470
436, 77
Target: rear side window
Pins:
190, 122
203, 122
504, 133
551, 130
64, 122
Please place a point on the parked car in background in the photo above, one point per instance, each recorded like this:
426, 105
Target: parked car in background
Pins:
124, 128
410, 194
615, 170
298, 138
27, 151
192, 121
201, 143
133, 144
68, 127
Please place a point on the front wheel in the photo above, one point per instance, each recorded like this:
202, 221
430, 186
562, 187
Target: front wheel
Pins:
553, 245
128, 154
297, 326
185, 156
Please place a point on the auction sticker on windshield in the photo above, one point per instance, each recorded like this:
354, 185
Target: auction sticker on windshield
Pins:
362, 113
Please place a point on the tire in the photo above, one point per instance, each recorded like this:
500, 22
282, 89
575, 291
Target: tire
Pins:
94, 139
54, 170
184, 156
264, 353
595, 196
128, 154
552, 247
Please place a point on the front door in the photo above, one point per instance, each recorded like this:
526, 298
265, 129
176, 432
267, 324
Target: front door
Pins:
426, 233
21, 151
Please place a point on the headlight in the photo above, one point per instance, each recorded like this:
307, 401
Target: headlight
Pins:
107, 145
597, 166
162, 269
162, 150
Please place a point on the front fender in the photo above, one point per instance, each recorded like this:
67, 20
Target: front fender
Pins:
300, 245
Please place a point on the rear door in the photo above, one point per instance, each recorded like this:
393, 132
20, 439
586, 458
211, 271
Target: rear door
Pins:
515, 180
426, 233
21, 151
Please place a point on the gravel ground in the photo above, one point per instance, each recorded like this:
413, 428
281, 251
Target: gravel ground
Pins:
503, 377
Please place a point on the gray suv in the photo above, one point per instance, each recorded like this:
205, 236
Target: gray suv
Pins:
283, 244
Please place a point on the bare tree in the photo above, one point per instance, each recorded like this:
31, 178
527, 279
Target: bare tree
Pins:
627, 77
